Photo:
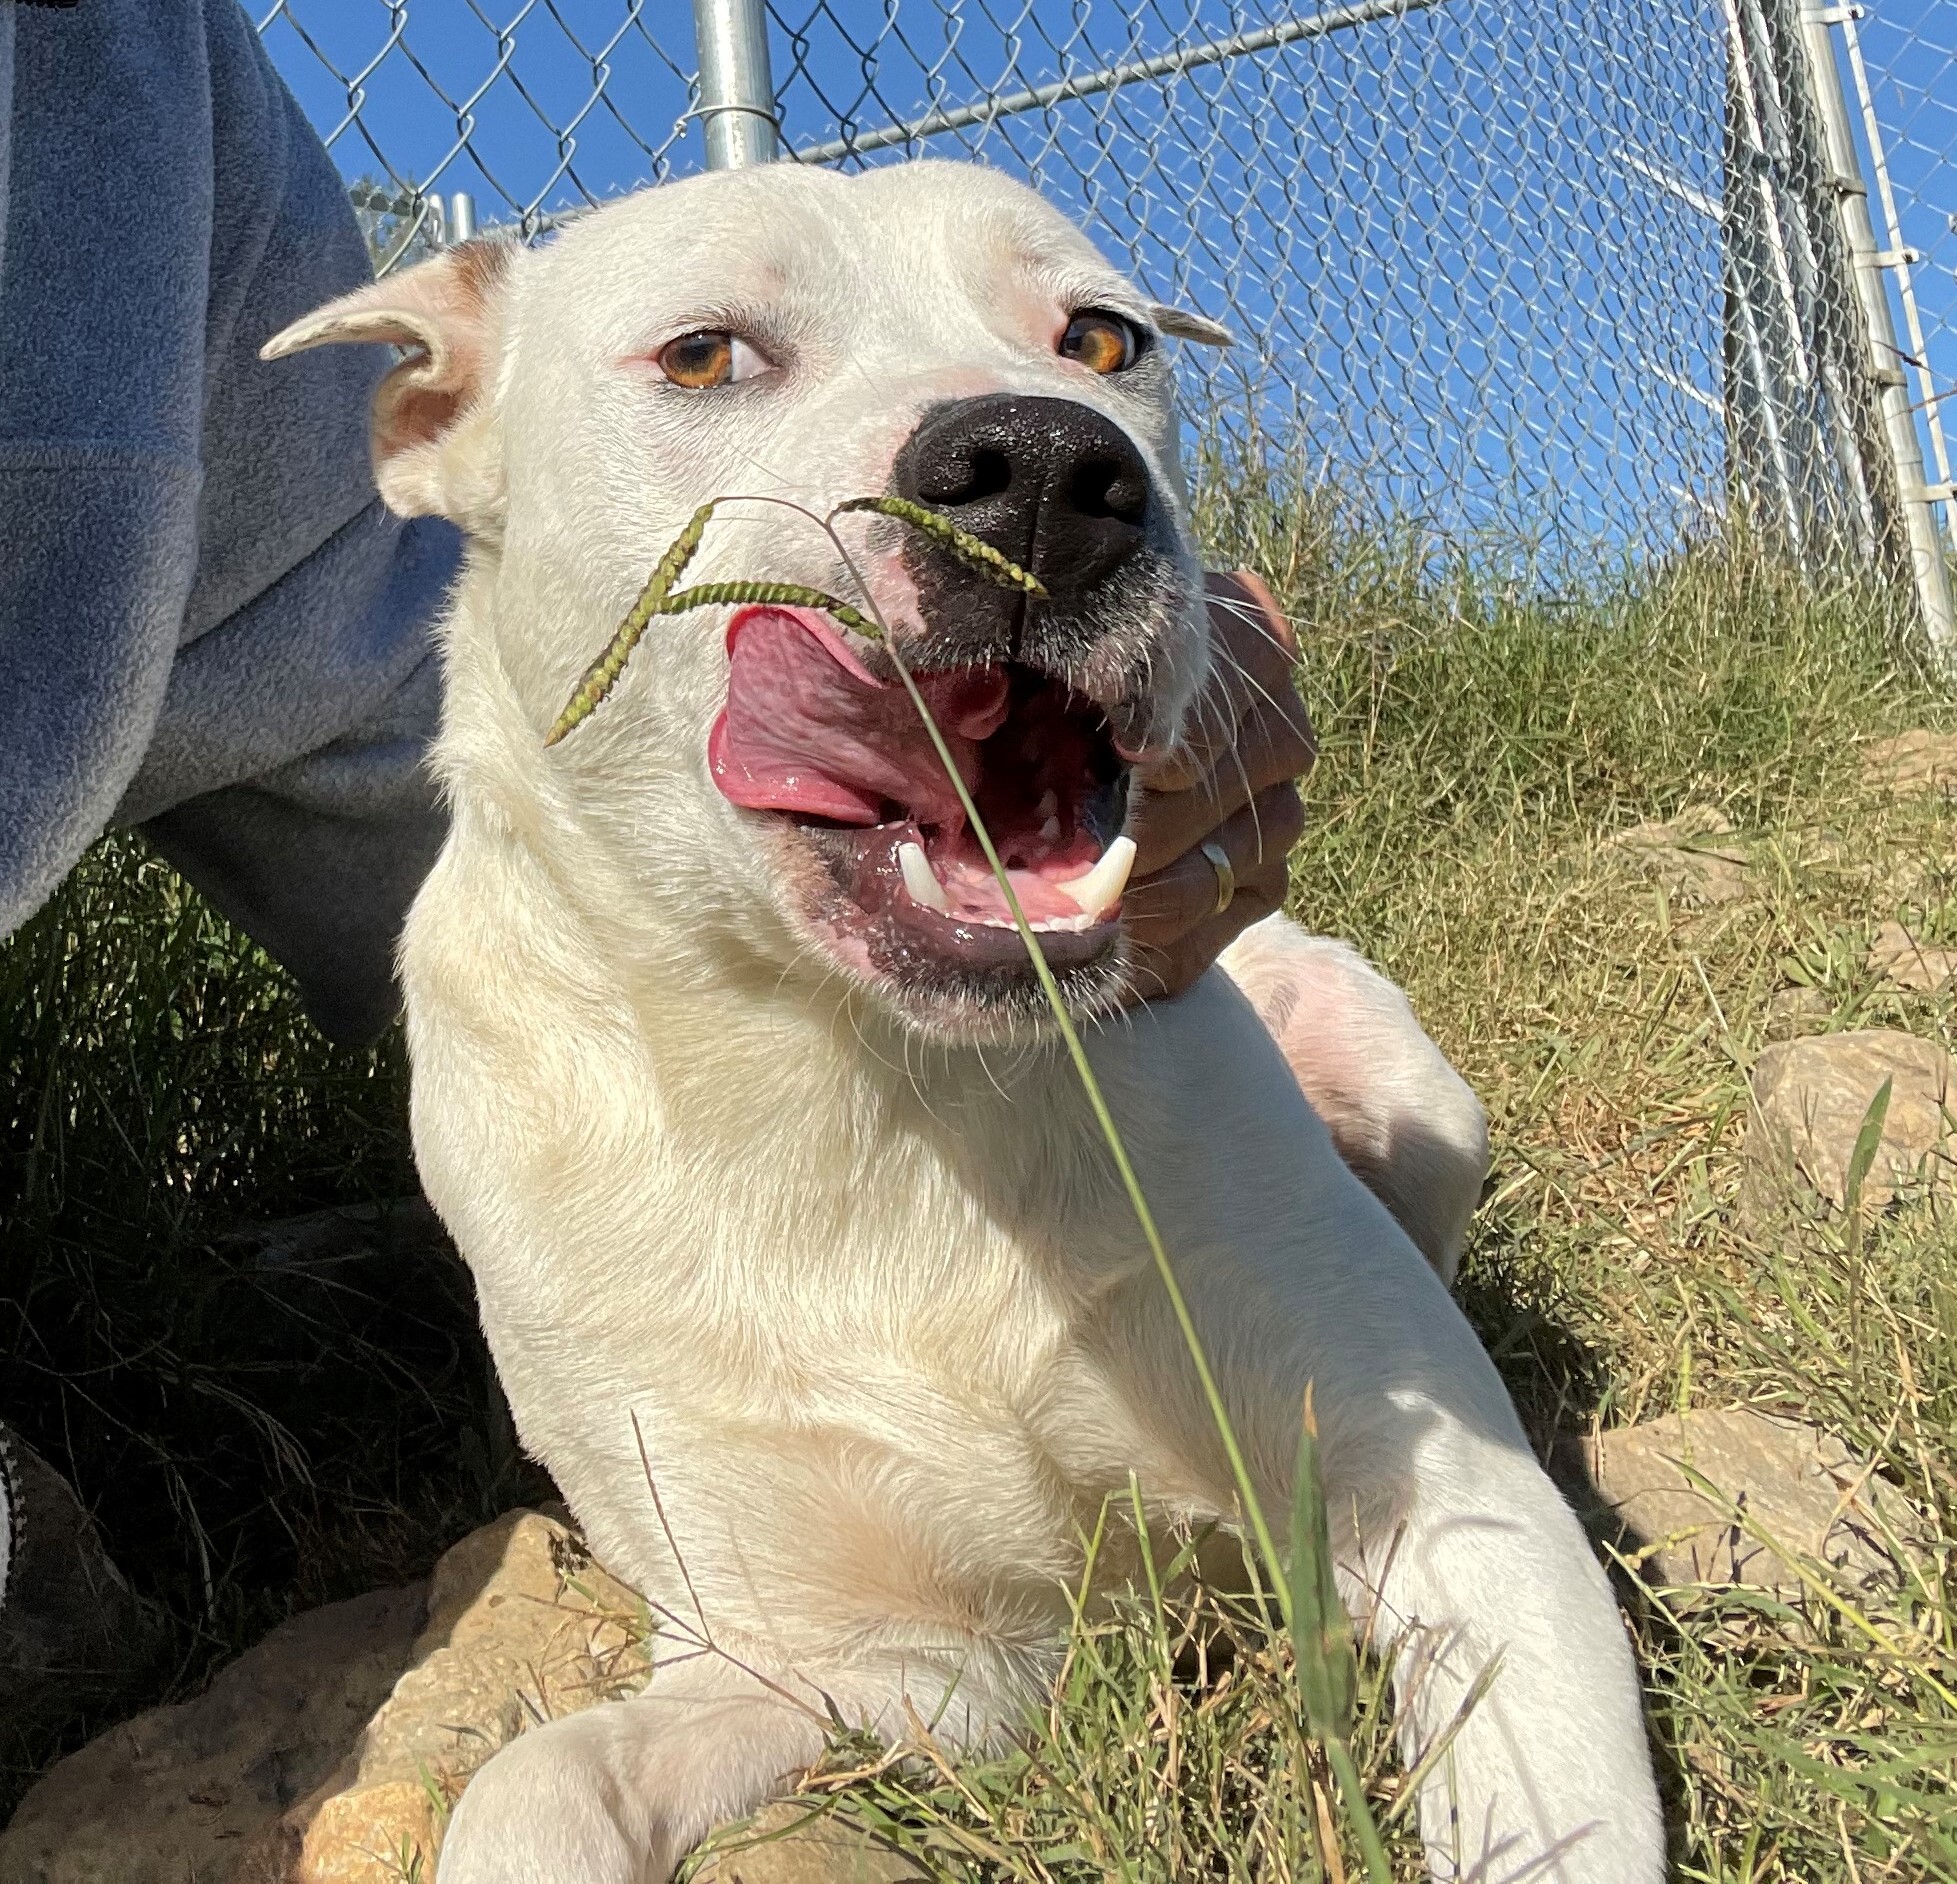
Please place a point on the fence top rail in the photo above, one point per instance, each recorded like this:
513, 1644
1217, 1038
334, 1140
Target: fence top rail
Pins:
1108, 78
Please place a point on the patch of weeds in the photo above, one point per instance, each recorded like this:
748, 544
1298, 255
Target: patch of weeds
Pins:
1172, 1749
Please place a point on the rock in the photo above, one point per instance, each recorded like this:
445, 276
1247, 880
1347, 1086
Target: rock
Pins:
73, 1635
329, 1753
1899, 957
180, 1792
1795, 1483
1811, 1097
1916, 761
395, 1230
1695, 856
522, 1627
795, 1842
332, 1752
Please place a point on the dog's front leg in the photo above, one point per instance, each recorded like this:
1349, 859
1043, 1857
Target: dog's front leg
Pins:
1455, 1540
620, 1793
1509, 1655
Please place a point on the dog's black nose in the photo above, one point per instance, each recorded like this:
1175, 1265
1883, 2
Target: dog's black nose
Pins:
1049, 482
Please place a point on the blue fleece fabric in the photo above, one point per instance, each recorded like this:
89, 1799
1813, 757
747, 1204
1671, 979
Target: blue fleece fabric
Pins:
209, 626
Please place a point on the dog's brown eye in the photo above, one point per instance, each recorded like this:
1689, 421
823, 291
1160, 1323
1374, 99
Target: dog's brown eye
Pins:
710, 357
1103, 343
698, 359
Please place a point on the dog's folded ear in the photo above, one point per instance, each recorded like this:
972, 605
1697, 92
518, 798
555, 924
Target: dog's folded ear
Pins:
430, 458
1180, 324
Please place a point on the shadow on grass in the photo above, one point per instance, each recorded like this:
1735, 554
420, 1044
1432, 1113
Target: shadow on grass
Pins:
226, 1315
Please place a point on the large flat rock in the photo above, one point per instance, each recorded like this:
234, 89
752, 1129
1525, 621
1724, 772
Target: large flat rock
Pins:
522, 1627
1909, 962
1916, 761
184, 1792
1811, 1097
1735, 1498
1697, 856
332, 1752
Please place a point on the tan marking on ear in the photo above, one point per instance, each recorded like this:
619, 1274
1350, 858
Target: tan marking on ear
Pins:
481, 268
443, 314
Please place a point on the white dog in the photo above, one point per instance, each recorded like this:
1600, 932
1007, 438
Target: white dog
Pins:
729, 1076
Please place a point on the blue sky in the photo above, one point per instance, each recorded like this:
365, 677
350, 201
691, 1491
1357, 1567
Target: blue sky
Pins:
1457, 242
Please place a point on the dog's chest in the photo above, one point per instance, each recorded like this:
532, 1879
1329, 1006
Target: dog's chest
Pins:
830, 1457
873, 1391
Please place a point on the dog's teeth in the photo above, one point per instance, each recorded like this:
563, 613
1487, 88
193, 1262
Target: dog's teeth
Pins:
1050, 830
921, 880
1101, 887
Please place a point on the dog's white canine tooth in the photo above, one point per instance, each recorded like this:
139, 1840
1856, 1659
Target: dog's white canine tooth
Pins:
1101, 887
921, 880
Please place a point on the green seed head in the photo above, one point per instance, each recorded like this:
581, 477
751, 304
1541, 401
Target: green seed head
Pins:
970, 550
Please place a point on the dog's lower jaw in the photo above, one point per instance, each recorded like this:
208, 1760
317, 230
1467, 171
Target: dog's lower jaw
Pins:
941, 1006
889, 1336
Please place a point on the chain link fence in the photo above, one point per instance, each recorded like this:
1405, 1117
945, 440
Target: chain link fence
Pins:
1550, 284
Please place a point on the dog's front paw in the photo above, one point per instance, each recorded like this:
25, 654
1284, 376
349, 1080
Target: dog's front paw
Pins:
538, 1811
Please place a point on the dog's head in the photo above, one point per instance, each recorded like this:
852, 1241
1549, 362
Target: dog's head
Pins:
760, 777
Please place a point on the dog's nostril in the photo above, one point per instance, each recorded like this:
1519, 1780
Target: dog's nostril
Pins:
968, 477
1109, 487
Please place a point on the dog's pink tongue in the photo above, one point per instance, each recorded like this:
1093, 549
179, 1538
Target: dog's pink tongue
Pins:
807, 729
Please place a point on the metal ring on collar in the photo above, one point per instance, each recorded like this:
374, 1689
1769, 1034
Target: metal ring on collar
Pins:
1226, 877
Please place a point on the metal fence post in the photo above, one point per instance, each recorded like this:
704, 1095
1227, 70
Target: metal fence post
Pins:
1926, 548
1766, 364
737, 84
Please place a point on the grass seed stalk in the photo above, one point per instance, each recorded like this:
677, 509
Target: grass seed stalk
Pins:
1305, 1591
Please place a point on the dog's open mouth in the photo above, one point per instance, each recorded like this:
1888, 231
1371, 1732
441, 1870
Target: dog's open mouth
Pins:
811, 735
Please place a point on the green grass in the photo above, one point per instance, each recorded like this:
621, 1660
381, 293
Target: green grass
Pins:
1478, 751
